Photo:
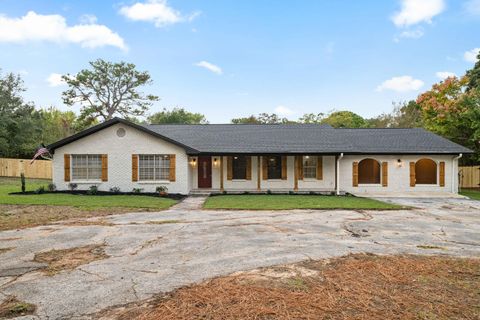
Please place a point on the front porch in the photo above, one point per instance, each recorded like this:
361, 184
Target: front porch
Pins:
263, 173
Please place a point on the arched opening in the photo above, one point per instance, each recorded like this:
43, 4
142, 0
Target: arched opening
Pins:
425, 171
369, 171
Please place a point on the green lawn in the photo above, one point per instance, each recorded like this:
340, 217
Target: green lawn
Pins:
285, 202
471, 193
85, 202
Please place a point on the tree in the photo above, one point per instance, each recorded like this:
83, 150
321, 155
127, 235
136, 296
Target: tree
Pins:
404, 115
107, 90
262, 118
177, 115
57, 124
19, 122
345, 119
474, 75
452, 111
312, 118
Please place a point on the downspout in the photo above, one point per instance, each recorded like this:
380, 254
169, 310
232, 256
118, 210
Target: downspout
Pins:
455, 190
338, 174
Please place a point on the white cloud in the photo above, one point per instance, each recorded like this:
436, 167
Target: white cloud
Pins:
284, 111
414, 34
55, 80
445, 74
209, 66
472, 7
53, 28
401, 84
417, 11
471, 55
156, 11
88, 19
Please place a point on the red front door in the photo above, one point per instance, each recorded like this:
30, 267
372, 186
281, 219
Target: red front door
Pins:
204, 172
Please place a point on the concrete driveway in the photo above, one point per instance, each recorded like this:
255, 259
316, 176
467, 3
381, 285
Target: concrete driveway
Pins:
146, 258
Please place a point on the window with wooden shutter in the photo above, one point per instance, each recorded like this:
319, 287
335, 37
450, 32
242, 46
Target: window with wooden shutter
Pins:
66, 167
249, 168
412, 174
172, 175
319, 168
355, 174
134, 167
229, 168
284, 168
104, 167
442, 174
384, 174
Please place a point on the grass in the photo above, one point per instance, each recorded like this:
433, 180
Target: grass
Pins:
360, 286
12, 308
84, 202
286, 202
23, 211
471, 193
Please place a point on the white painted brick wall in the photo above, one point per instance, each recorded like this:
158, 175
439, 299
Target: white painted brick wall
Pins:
120, 152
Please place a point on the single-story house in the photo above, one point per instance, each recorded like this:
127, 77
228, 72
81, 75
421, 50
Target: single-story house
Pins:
256, 158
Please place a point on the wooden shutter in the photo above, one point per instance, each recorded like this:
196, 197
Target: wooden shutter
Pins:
442, 174
134, 167
355, 174
229, 168
104, 167
172, 167
66, 167
284, 168
384, 174
249, 168
319, 168
412, 174
300, 167
264, 168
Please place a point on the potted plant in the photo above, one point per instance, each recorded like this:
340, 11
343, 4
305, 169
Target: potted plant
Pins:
162, 190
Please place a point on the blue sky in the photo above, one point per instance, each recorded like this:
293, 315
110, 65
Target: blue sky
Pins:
234, 58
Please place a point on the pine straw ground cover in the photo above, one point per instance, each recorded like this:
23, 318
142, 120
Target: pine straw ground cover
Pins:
353, 287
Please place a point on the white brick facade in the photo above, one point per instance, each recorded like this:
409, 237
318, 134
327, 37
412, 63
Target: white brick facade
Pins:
120, 150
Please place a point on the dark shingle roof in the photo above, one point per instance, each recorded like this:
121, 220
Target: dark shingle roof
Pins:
309, 138
287, 138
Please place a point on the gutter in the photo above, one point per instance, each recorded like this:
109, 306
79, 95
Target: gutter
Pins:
338, 174
455, 190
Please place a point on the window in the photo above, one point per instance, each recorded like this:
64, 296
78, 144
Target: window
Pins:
86, 167
310, 167
425, 171
239, 167
274, 167
369, 171
153, 167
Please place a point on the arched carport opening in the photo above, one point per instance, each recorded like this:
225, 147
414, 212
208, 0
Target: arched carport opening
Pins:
425, 171
369, 171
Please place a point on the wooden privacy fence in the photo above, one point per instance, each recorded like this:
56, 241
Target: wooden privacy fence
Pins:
469, 177
40, 169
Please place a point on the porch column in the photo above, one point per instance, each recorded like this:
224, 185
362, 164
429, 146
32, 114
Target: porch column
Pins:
259, 166
221, 173
295, 173
337, 173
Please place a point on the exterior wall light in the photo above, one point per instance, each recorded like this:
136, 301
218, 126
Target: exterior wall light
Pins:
215, 162
193, 161
399, 163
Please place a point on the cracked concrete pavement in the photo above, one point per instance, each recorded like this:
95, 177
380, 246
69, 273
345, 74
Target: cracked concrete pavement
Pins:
148, 257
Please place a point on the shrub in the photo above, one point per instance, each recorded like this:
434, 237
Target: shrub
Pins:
72, 186
312, 193
92, 190
51, 187
161, 189
291, 192
40, 190
137, 190
115, 190
269, 191
22, 181
224, 191
246, 192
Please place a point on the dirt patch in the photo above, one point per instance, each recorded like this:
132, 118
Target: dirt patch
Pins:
3, 250
353, 287
99, 222
12, 308
25, 216
69, 259
430, 247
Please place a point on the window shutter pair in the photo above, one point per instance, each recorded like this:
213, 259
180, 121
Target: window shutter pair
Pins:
66, 167
441, 173
172, 168
384, 174
230, 168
